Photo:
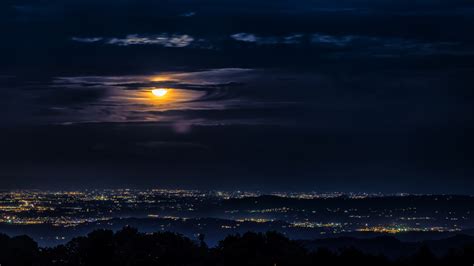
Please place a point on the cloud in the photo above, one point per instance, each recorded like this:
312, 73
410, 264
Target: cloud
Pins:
188, 14
356, 45
359, 45
293, 39
253, 38
85, 99
165, 40
87, 40
332, 40
188, 79
245, 37
297, 38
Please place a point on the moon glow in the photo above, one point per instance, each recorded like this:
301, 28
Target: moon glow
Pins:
159, 92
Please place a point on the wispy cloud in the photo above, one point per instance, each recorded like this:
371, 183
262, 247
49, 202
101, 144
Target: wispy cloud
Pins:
297, 38
188, 14
245, 37
166, 40
128, 98
332, 40
253, 38
87, 39
361, 45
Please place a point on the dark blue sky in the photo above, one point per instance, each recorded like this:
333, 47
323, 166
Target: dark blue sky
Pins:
271, 95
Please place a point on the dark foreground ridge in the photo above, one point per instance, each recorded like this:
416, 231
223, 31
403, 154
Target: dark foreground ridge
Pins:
130, 247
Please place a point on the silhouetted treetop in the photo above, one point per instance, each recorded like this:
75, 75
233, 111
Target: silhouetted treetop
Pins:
128, 247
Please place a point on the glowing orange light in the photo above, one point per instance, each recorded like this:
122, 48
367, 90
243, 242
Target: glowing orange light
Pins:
161, 78
159, 92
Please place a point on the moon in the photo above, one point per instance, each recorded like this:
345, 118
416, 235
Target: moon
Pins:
159, 92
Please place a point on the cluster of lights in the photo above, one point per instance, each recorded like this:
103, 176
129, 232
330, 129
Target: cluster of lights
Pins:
73, 208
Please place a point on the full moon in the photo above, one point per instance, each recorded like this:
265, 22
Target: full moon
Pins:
159, 92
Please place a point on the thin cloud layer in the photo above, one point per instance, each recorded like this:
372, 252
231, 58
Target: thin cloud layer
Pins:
165, 40
87, 40
359, 45
85, 99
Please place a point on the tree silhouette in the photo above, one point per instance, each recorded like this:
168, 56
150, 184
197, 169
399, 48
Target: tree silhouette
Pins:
270, 248
19, 250
128, 247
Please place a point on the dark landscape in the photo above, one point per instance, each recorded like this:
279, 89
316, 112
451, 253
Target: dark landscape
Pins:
128, 247
234, 228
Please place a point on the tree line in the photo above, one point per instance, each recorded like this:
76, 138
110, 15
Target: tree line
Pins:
129, 247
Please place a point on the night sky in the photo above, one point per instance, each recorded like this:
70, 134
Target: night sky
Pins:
325, 95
